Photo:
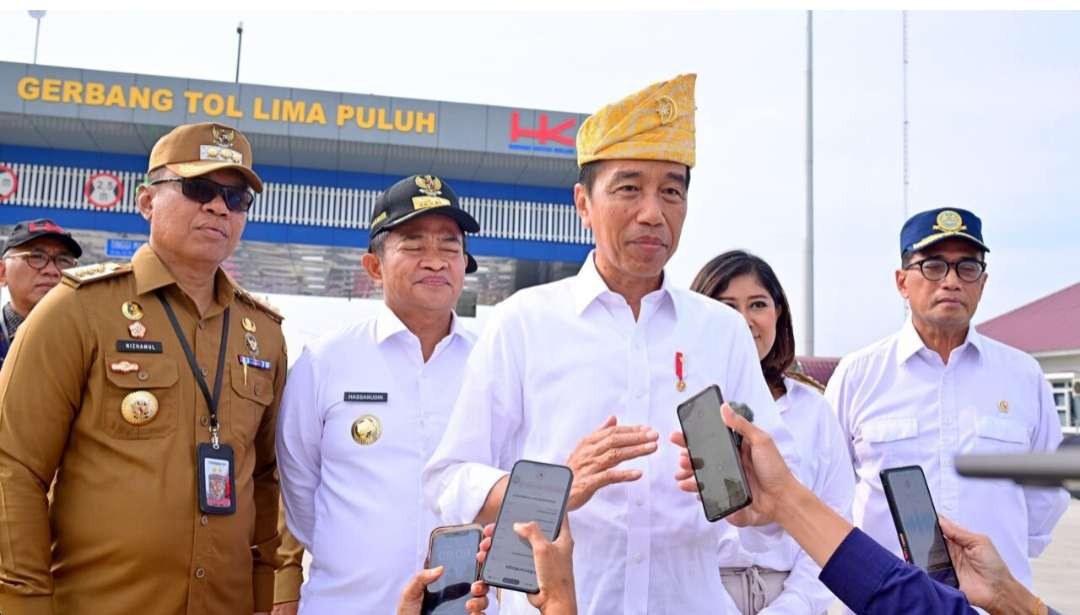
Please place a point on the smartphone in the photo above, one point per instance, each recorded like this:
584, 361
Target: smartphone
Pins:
916, 523
454, 548
714, 455
536, 492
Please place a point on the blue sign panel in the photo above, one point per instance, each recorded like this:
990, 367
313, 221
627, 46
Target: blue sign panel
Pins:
122, 248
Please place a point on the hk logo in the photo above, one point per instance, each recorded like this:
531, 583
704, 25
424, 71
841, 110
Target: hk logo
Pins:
542, 133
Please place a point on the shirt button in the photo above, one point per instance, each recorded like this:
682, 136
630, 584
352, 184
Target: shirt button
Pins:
637, 558
202, 324
199, 573
204, 520
204, 421
143, 375
202, 370
639, 502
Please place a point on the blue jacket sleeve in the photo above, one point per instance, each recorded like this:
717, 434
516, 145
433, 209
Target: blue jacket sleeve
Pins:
869, 579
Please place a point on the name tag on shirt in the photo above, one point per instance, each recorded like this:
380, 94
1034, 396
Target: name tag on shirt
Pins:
138, 346
366, 397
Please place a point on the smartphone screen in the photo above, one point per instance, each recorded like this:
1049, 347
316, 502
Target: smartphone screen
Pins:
713, 454
917, 523
536, 492
455, 549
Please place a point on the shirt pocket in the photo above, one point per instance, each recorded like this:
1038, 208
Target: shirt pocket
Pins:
251, 396
996, 434
893, 441
156, 375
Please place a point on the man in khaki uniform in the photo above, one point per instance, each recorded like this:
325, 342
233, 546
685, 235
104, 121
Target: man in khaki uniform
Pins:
151, 511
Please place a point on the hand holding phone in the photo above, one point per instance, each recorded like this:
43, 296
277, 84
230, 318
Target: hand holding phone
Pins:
714, 454
536, 492
917, 524
454, 548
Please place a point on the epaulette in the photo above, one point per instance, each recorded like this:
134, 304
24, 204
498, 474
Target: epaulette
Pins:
254, 301
77, 276
805, 379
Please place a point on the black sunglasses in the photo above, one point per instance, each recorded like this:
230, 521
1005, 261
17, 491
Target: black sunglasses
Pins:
205, 190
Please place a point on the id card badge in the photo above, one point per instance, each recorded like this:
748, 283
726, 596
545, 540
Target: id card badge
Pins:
217, 489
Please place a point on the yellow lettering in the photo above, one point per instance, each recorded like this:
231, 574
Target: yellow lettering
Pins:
116, 97
365, 121
192, 101
425, 122
213, 104
230, 107
403, 126
95, 93
344, 114
293, 110
73, 92
50, 90
139, 97
316, 115
162, 100
383, 124
29, 88
257, 112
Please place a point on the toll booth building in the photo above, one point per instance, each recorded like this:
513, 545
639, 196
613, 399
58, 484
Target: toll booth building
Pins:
74, 145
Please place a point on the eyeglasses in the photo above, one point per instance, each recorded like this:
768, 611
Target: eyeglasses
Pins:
40, 260
205, 190
937, 269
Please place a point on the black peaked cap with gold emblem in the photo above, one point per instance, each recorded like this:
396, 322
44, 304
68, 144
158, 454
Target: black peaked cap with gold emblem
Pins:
420, 195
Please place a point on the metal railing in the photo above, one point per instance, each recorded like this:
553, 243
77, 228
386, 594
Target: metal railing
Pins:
326, 206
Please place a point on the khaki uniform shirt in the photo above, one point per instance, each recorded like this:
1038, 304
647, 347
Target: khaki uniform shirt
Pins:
122, 532
290, 572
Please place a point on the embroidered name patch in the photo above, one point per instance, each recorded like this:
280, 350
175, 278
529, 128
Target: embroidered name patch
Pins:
365, 397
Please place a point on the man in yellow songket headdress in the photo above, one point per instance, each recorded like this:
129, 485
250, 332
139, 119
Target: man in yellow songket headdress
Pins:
587, 372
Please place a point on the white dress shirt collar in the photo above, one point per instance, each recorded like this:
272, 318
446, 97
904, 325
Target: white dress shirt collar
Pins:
589, 286
387, 325
909, 342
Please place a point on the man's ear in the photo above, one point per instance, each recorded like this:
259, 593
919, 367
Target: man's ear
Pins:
144, 201
372, 266
3, 272
901, 282
582, 204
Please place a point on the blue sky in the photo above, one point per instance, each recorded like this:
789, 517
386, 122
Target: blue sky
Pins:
993, 101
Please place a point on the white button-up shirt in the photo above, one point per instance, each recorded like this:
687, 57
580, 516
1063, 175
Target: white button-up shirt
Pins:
899, 404
358, 509
827, 469
552, 363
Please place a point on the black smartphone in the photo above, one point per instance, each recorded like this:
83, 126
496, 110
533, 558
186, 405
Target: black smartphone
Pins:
916, 523
536, 492
714, 455
454, 548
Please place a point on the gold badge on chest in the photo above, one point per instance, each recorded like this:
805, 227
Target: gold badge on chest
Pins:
131, 310
366, 430
139, 407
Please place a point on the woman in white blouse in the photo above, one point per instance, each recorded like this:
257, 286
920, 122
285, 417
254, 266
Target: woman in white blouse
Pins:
782, 580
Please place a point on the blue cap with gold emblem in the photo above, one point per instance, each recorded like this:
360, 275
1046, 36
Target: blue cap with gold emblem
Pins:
926, 228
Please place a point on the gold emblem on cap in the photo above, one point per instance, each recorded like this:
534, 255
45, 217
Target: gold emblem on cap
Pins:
124, 367
429, 184
1003, 407
137, 330
668, 110
223, 137
366, 430
949, 221
248, 325
252, 343
132, 310
139, 407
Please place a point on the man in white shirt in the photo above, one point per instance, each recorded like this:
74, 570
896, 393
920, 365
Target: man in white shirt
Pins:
588, 372
938, 388
365, 407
